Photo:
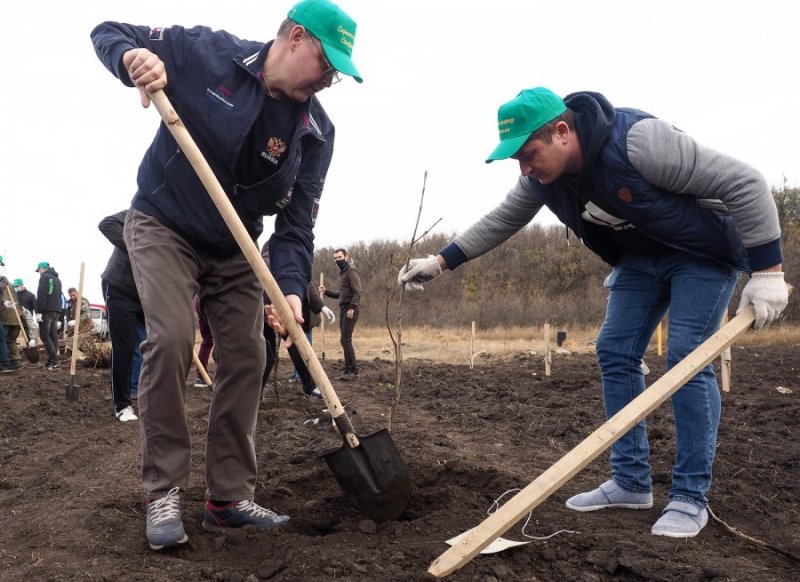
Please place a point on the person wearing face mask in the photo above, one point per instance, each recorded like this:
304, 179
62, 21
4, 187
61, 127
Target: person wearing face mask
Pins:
252, 109
349, 296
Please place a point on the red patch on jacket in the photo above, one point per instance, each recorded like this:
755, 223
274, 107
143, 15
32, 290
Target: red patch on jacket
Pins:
625, 195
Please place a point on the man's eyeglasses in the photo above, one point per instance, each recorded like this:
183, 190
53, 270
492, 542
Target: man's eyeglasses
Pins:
330, 74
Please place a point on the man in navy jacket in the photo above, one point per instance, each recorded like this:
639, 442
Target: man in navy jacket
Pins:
252, 110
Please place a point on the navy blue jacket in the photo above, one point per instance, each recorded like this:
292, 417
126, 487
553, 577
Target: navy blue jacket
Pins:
214, 86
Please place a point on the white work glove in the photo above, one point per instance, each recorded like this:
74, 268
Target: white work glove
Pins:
8, 304
38, 318
59, 325
326, 311
769, 296
32, 343
419, 271
71, 323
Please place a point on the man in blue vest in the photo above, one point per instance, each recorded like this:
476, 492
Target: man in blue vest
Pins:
678, 222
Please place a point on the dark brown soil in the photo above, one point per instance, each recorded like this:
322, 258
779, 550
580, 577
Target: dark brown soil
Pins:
72, 504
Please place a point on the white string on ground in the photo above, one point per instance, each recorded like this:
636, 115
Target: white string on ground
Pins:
496, 505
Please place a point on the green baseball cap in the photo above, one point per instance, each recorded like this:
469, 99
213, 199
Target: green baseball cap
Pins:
18, 283
529, 111
334, 29
42, 265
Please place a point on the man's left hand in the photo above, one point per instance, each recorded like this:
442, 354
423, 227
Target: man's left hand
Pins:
274, 320
768, 293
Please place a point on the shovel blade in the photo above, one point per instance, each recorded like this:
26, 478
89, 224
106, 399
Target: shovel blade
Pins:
72, 389
32, 354
373, 476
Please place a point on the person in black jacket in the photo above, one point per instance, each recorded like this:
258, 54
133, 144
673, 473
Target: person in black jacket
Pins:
252, 111
312, 304
349, 295
49, 303
24, 296
125, 315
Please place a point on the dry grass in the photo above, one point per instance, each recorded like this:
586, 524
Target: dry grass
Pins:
452, 345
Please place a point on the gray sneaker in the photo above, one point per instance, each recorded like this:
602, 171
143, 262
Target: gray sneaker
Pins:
680, 520
610, 495
164, 525
239, 514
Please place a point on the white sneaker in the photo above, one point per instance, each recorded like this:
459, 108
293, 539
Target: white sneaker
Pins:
126, 414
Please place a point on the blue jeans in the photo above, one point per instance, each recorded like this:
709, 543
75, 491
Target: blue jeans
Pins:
696, 292
136, 366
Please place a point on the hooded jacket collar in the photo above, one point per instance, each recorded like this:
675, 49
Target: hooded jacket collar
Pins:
594, 118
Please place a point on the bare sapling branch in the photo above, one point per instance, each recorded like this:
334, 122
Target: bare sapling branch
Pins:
398, 341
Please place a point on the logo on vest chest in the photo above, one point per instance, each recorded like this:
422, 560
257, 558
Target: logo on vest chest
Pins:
625, 195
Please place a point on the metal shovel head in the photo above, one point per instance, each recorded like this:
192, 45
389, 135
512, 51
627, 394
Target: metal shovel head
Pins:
32, 354
373, 476
72, 389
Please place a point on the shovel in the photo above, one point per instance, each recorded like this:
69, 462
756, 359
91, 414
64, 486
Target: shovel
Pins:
368, 469
590, 448
31, 353
72, 388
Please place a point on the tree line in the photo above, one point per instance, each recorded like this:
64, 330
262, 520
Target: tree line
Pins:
543, 274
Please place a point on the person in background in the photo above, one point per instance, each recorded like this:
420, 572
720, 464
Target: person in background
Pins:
9, 351
677, 221
48, 311
125, 317
312, 307
27, 302
10, 322
206, 342
252, 110
24, 297
349, 296
86, 322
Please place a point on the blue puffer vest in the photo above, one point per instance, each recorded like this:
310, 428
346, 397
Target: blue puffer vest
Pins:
611, 182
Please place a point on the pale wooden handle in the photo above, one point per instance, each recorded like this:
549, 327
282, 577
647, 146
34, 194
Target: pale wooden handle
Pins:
590, 448
250, 251
76, 329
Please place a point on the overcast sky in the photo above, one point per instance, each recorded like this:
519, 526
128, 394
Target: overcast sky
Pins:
434, 73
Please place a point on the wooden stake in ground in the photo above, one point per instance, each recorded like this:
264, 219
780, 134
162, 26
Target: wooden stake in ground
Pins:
548, 356
590, 448
725, 362
472, 347
72, 388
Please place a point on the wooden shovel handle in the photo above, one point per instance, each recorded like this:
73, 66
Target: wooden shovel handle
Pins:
76, 328
590, 448
251, 253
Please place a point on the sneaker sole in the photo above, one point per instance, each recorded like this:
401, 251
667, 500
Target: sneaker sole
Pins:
586, 508
212, 527
156, 547
672, 534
